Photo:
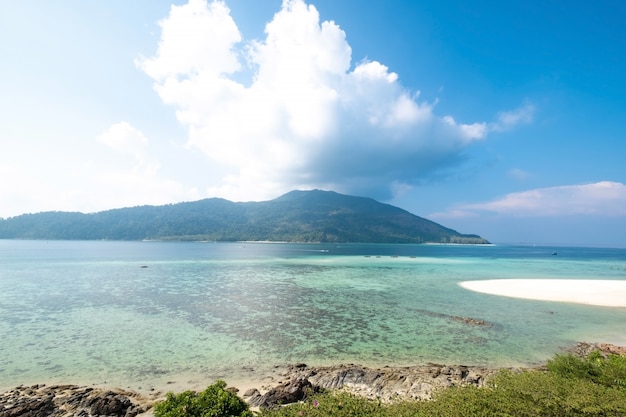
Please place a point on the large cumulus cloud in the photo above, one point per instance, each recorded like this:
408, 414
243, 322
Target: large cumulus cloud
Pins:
309, 117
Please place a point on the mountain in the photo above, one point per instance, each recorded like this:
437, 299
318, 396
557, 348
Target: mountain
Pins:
298, 216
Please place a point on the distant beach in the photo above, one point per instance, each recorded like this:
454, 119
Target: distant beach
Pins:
606, 293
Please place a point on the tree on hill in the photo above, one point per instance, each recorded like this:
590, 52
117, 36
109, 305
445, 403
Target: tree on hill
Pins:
298, 216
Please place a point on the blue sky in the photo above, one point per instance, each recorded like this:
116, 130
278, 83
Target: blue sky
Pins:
504, 119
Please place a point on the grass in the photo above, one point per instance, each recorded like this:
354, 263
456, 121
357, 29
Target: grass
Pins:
570, 386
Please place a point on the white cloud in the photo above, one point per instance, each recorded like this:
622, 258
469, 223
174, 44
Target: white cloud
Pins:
121, 170
518, 174
375, 71
134, 181
453, 214
127, 140
467, 131
510, 119
604, 198
305, 119
188, 42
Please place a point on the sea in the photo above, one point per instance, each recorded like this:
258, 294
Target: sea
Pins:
142, 315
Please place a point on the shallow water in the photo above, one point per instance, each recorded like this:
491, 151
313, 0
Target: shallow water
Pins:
142, 314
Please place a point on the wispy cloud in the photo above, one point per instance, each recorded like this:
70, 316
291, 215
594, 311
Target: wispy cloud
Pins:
308, 117
128, 141
510, 119
135, 179
604, 198
519, 174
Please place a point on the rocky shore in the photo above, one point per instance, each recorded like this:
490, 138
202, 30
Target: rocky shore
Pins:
386, 384
292, 383
71, 400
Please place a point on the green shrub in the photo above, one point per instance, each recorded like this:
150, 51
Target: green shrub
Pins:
574, 366
508, 394
526, 394
339, 404
609, 371
571, 387
215, 401
614, 372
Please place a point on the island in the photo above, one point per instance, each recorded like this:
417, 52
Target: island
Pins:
298, 216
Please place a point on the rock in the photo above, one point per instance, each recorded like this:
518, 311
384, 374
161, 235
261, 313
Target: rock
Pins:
107, 404
608, 348
30, 407
252, 392
69, 400
462, 319
584, 349
287, 393
470, 320
386, 384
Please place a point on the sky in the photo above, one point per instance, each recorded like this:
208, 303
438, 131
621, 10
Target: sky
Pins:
503, 119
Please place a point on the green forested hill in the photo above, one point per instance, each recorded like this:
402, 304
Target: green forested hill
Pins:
298, 216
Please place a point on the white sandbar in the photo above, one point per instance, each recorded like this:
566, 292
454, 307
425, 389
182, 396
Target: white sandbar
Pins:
599, 293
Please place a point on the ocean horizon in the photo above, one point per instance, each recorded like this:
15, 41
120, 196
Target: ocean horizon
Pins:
143, 315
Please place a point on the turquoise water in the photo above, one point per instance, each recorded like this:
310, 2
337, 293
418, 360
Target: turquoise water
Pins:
143, 314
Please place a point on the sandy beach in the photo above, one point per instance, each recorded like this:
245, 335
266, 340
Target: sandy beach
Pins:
607, 293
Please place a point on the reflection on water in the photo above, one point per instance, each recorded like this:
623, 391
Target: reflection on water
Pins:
142, 313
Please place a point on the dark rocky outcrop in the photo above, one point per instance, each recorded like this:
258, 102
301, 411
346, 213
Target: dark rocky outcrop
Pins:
386, 384
295, 390
461, 319
391, 383
70, 400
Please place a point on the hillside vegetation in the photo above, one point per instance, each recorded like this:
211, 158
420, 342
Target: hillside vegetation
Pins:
298, 216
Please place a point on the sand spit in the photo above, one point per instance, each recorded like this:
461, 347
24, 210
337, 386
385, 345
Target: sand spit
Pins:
607, 293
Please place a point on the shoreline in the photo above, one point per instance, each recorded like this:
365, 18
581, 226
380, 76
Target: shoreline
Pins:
603, 293
383, 383
262, 378
286, 384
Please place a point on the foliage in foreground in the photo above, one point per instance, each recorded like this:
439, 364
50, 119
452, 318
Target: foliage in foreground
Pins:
215, 401
609, 371
572, 387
